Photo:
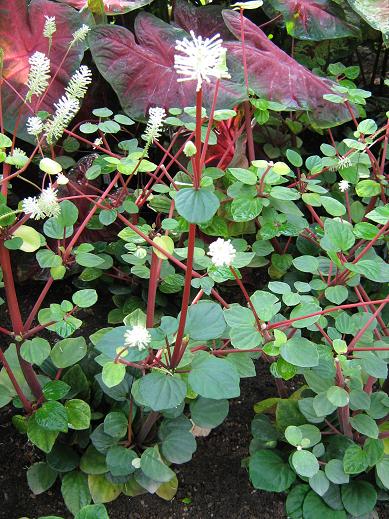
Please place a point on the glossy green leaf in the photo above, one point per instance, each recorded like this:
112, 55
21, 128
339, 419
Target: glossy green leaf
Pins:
212, 377
196, 205
269, 472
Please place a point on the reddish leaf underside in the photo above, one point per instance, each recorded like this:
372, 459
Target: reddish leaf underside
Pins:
317, 20
141, 71
276, 76
111, 7
21, 34
207, 20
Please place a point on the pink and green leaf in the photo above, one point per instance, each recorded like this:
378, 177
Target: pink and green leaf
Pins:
141, 69
111, 7
317, 20
276, 76
21, 34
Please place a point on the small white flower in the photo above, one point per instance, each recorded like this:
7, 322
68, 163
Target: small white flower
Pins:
344, 162
50, 27
138, 337
78, 84
34, 126
39, 74
48, 202
97, 142
62, 180
52, 167
31, 206
222, 252
299, 448
199, 58
65, 110
154, 124
80, 34
344, 185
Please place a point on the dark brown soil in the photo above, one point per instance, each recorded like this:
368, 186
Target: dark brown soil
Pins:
214, 481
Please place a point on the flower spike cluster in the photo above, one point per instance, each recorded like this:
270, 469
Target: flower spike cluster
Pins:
78, 84
44, 206
50, 27
198, 59
65, 110
154, 126
222, 252
39, 74
34, 126
138, 337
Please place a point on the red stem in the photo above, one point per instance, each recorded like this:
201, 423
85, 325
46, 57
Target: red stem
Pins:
177, 352
16, 319
155, 269
18, 389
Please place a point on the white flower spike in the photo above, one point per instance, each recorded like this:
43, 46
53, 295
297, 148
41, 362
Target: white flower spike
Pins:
222, 252
80, 34
65, 110
78, 84
138, 337
50, 27
39, 74
31, 206
34, 126
343, 185
154, 124
344, 162
44, 206
198, 59
48, 202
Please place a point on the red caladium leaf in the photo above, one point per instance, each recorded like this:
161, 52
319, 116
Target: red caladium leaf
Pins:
313, 20
141, 70
21, 34
207, 20
276, 76
111, 7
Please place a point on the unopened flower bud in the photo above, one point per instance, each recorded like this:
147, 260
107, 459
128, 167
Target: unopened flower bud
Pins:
50, 166
190, 149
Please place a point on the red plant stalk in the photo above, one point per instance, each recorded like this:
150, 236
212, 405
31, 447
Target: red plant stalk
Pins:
16, 319
246, 104
155, 269
180, 345
26, 404
197, 159
67, 253
247, 297
366, 326
343, 412
287, 322
177, 352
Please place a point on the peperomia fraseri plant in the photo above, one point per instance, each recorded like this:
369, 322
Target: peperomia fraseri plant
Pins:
114, 414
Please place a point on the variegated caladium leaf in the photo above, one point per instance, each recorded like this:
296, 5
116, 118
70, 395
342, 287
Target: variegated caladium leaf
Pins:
111, 7
21, 35
140, 67
276, 76
317, 20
